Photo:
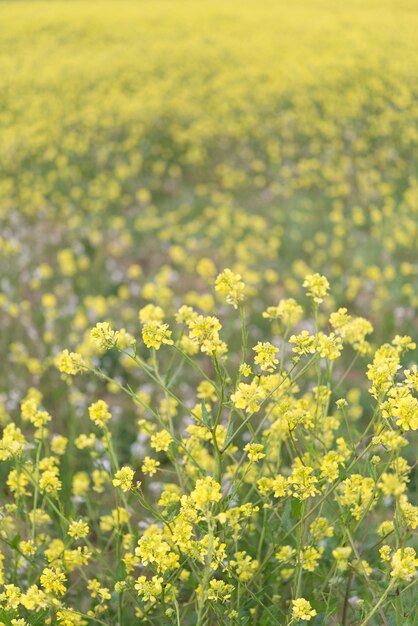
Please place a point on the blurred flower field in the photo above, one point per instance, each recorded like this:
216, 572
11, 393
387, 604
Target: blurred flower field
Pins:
208, 312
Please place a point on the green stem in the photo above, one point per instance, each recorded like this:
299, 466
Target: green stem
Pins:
379, 604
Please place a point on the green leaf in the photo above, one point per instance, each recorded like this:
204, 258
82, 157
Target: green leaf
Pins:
120, 571
229, 432
296, 508
205, 414
172, 513
15, 541
4, 617
38, 619
342, 472
287, 515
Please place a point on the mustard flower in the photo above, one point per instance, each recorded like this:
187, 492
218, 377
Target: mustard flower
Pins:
99, 413
78, 529
12, 442
255, 452
288, 311
151, 313
150, 466
385, 552
304, 343
155, 333
206, 491
248, 396
149, 590
70, 362
302, 610
123, 478
404, 564
230, 285
52, 580
219, 591
317, 287
205, 332
161, 440
328, 346
103, 336
265, 356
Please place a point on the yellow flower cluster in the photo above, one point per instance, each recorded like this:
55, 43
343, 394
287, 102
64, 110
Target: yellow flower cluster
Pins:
279, 441
302, 610
155, 333
404, 564
317, 287
123, 478
230, 285
99, 413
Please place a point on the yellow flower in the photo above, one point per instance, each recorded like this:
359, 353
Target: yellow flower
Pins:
52, 580
310, 558
11, 443
245, 369
255, 452
248, 396
244, 565
70, 362
99, 413
155, 333
17, 481
385, 528
302, 610
151, 313
11, 596
150, 466
328, 346
230, 285
320, 529
404, 342
149, 590
280, 486
404, 408
161, 440
341, 555
339, 319
206, 391
184, 314
78, 529
103, 336
123, 478
49, 481
404, 564
385, 552
81, 483
288, 311
304, 343
317, 287
27, 547
285, 554
205, 332
219, 591
265, 357
357, 492
68, 617
59, 444
206, 491
303, 482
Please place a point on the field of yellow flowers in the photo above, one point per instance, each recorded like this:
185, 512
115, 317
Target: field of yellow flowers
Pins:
208, 313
